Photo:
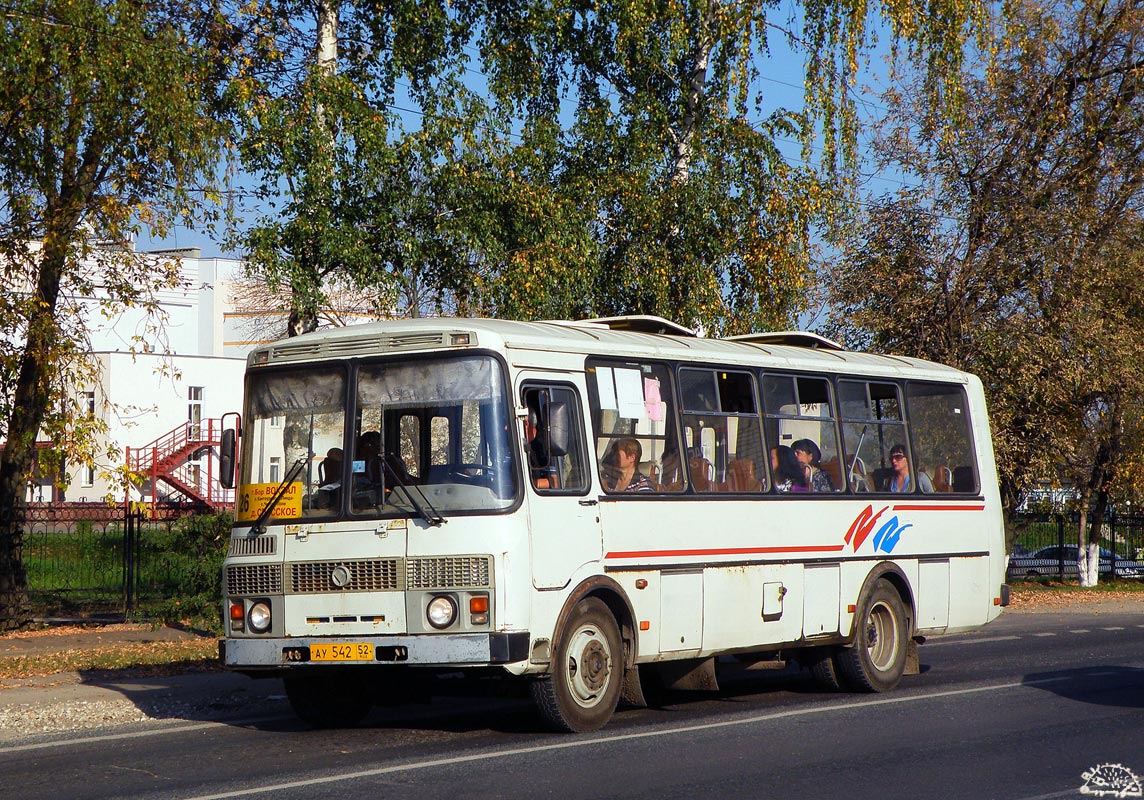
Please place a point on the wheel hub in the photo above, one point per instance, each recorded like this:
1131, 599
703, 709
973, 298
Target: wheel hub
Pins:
589, 666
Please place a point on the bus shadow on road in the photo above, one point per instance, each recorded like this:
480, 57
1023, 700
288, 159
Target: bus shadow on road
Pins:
1117, 686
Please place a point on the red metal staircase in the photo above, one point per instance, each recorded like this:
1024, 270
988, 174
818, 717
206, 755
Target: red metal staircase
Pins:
170, 461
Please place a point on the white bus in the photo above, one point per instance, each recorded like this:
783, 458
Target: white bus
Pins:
579, 504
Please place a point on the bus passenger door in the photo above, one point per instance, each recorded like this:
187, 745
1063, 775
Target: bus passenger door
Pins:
562, 519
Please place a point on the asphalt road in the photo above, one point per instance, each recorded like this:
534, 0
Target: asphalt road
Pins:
1025, 708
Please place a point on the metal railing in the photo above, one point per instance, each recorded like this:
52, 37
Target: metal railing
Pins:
97, 562
171, 460
1055, 536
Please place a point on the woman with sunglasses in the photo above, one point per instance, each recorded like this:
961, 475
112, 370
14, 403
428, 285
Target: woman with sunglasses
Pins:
900, 478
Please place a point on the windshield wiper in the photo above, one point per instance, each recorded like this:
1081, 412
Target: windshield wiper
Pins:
259, 526
427, 512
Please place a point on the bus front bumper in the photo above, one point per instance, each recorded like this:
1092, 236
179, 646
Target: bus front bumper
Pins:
461, 649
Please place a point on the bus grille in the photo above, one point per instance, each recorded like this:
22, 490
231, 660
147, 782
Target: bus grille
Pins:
256, 546
248, 579
456, 572
372, 575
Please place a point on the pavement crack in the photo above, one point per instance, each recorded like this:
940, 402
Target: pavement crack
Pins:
142, 771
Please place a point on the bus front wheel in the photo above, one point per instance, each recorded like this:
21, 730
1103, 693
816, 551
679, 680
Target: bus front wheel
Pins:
877, 658
582, 689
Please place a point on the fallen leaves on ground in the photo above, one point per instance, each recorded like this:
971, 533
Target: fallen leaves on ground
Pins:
127, 659
1069, 595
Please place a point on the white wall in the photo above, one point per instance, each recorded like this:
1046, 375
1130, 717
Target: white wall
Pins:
143, 397
194, 313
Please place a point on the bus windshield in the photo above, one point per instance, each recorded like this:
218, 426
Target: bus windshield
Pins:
424, 438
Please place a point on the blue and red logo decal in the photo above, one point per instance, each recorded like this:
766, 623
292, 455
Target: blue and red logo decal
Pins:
887, 536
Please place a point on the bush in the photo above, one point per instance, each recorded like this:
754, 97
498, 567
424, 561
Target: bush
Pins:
198, 546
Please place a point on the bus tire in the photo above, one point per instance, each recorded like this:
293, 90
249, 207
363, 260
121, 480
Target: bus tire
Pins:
583, 686
328, 701
874, 662
823, 666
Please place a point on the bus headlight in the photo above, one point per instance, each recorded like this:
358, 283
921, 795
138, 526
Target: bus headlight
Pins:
441, 611
258, 617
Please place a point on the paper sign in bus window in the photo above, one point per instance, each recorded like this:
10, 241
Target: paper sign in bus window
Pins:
629, 394
606, 388
656, 408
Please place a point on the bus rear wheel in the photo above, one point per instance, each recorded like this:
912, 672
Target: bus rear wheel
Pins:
328, 701
877, 658
823, 665
582, 689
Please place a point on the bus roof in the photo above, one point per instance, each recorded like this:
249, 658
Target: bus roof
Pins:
608, 337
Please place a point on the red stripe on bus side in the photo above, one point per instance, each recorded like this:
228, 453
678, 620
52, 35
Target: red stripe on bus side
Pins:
729, 551
938, 508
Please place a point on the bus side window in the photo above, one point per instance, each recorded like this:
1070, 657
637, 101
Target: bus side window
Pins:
553, 437
633, 417
722, 430
800, 415
872, 428
941, 438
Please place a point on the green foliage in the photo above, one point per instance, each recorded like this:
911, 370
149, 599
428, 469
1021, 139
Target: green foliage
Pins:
196, 550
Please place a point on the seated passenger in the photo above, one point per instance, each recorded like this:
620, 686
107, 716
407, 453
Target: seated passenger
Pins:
368, 456
899, 480
329, 488
628, 478
788, 473
330, 470
810, 459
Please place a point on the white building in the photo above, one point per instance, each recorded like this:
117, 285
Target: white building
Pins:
163, 389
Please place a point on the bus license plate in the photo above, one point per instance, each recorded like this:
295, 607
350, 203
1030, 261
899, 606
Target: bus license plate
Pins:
342, 651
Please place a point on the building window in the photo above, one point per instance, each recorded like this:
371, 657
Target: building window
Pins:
275, 469
195, 411
89, 403
87, 476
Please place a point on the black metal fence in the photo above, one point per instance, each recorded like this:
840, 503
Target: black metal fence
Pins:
97, 561
1045, 545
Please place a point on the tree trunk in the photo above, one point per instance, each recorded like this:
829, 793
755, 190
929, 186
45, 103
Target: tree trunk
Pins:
307, 285
29, 404
1103, 466
689, 124
1082, 542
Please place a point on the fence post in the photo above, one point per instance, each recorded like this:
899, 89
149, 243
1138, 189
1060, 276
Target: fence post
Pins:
130, 564
138, 554
1061, 548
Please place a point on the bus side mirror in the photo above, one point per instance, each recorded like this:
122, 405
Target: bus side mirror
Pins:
559, 429
226, 458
